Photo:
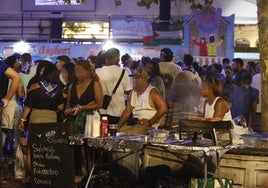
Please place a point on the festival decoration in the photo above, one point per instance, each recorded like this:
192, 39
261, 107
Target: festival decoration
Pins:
208, 36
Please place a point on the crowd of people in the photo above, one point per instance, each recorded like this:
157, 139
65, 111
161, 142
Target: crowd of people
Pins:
43, 91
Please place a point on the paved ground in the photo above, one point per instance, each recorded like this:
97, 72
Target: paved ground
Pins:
111, 176
7, 179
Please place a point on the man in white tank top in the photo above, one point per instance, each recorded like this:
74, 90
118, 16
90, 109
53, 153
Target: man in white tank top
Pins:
146, 105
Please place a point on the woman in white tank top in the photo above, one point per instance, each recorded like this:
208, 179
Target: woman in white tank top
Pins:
216, 107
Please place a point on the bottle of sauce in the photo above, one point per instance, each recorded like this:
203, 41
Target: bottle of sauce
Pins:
104, 126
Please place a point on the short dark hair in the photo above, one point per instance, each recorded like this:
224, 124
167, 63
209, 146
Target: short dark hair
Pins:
228, 67
238, 61
100, 61
246, 78
64, 58
252, 65
145, 59
188, 59
156, 69
26, 57
135, 65
218, 67
225, 60
167, 54
125, 58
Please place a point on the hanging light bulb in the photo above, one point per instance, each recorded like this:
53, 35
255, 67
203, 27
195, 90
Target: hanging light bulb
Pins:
108, 44
21, 47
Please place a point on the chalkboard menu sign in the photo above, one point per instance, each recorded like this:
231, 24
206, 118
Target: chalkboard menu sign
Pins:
51, 155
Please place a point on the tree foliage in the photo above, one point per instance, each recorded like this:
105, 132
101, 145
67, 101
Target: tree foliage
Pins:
194, 4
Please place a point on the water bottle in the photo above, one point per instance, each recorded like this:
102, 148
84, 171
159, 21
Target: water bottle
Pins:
244, 122
104, 126
241, 121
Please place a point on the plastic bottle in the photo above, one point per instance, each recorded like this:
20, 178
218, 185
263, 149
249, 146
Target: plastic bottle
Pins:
104, 126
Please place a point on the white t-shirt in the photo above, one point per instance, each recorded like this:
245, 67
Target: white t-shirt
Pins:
131, 80
25, 78
109, 76
169, 68
256, 83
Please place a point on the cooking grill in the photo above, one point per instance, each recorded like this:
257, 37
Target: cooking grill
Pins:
196, 130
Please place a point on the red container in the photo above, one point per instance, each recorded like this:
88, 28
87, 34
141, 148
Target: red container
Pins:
104, 126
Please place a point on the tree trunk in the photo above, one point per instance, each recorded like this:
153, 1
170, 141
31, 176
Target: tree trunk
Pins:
263, 47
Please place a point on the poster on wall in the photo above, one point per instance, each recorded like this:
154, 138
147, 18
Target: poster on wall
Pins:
209, 36
131, 28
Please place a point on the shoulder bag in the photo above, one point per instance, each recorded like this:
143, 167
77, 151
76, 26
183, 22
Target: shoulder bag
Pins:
107, 98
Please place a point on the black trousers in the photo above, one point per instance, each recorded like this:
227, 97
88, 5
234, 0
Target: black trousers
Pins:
256, 122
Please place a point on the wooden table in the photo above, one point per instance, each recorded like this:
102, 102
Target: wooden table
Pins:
247, 167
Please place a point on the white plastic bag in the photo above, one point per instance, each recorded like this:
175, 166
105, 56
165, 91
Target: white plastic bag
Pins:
19, 163
88, 126
92, 126
96, 125
237, 131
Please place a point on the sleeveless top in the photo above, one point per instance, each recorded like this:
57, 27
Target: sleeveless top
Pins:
141, 106
209, 111
85, 98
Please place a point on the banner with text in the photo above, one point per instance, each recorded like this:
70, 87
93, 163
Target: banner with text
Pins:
126, 28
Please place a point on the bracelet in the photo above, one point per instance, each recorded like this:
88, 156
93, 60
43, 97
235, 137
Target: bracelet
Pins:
22, 119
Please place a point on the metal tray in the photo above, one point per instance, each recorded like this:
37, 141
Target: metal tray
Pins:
256, 140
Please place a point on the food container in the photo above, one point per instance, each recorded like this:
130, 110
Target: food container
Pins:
158, 135
256, 140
